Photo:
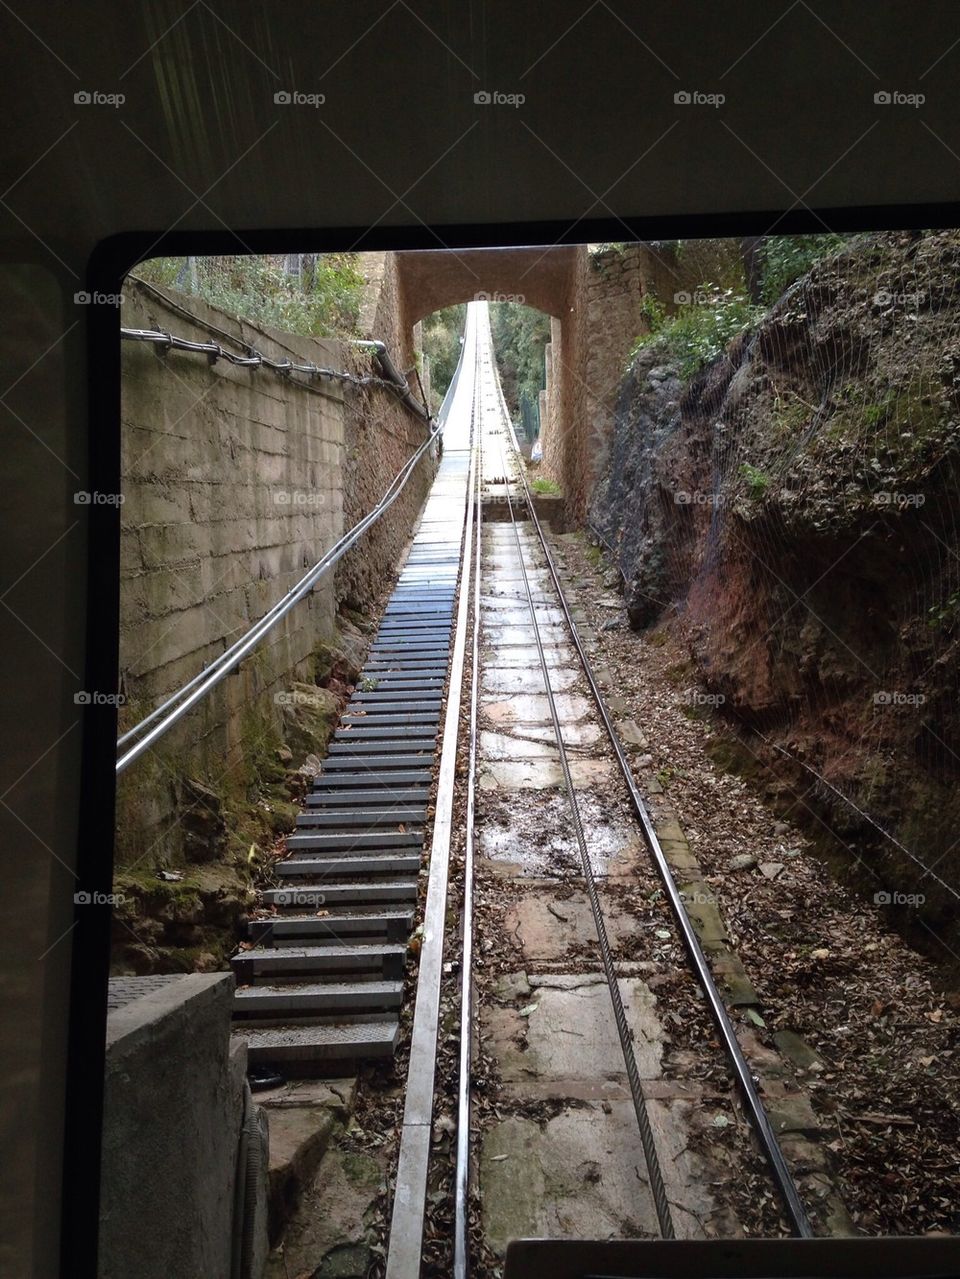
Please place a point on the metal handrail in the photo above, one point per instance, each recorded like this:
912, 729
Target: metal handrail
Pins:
178, 703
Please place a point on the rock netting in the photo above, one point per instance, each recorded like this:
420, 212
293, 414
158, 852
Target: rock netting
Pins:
794, 506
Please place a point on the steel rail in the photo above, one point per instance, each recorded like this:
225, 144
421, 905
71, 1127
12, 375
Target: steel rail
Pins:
461, 1250
754, 1106
178, 703
657, 1186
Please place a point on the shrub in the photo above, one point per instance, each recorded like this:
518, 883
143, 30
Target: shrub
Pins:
698, 333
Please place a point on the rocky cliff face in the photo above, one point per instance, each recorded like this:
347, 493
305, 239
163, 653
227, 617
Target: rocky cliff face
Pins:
794, 510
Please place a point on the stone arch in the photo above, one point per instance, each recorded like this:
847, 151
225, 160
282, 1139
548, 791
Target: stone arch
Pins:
547, 279
594, 300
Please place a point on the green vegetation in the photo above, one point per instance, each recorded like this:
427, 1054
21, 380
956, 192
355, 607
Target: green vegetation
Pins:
699, 330
441, 346
784, 258
313, 294
757, 481
519, 336
540, 484
697, 333
945, 614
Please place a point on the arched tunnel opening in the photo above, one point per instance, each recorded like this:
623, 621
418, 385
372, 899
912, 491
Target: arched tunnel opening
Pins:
538, 749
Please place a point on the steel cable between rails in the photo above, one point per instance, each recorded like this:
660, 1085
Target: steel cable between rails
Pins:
657, 1186
780, 1171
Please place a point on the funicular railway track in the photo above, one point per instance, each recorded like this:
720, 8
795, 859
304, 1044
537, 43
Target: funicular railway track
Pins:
322, 982
496, 456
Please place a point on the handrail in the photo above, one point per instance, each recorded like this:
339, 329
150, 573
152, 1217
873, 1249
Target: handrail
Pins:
194, 690
392, 379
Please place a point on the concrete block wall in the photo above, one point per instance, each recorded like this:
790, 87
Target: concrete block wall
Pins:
232, 485
235, 481
173, 1109
380, 435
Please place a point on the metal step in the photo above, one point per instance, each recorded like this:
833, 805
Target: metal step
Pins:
403, 666
365, 708
292, 961
390, 698
351, 840
375, 778
398, 863
366, 742
318, 997
394, 925
292, 1045
396, 797
343, 819
371, 764
339, 893
416, 724
431, 680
